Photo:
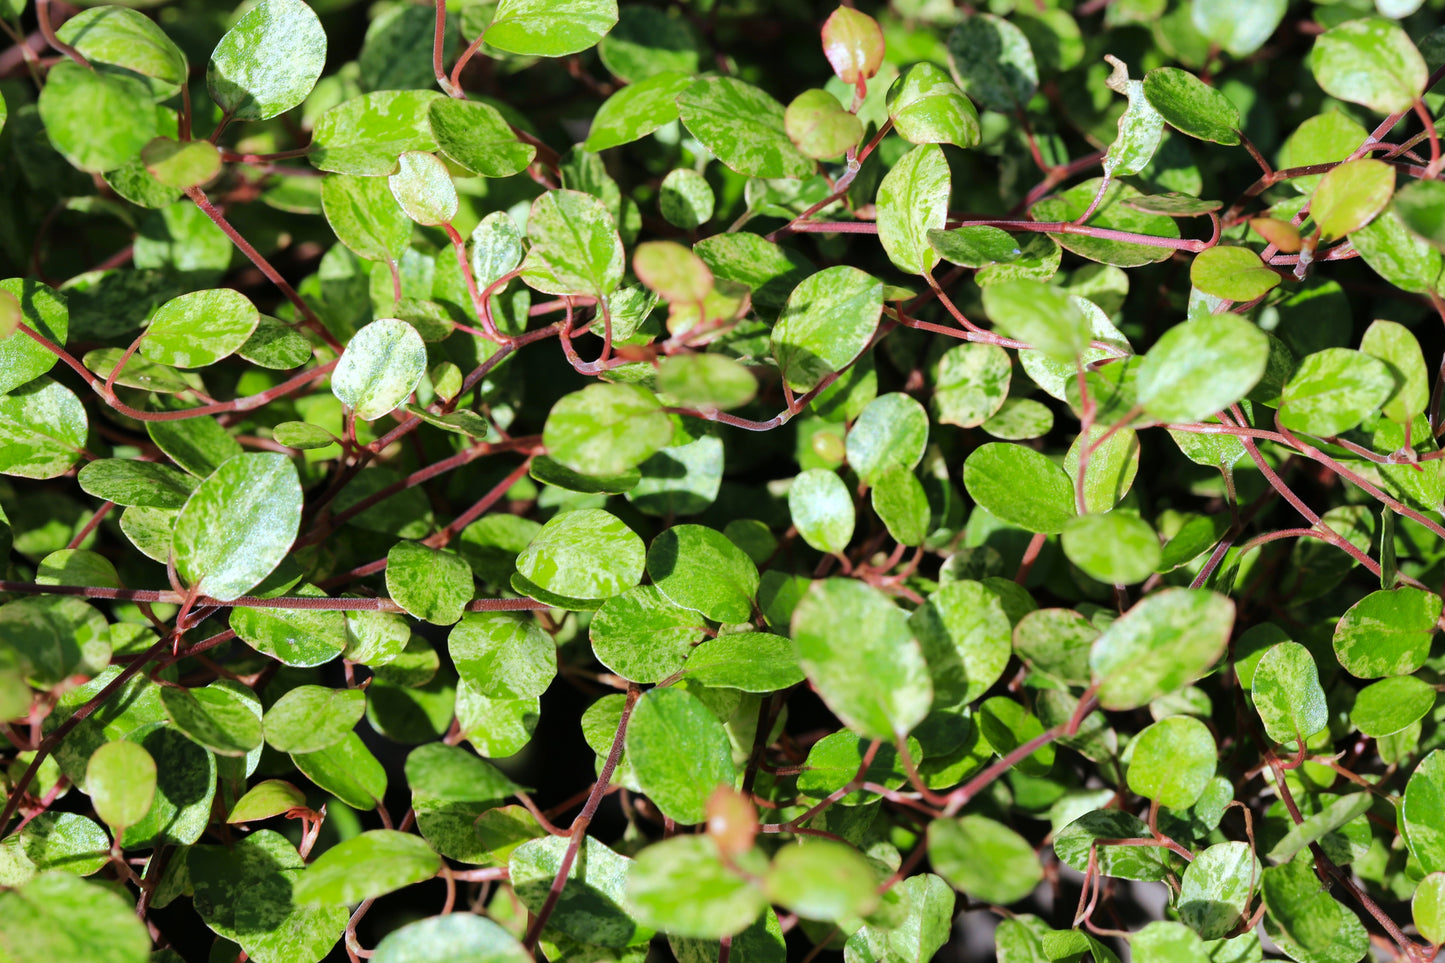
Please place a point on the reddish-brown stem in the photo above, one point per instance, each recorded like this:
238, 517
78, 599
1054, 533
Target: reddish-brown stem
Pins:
439, 41
264, 266
42, 19
1423, 113
480, 306
48, 744
583, 820
458, 524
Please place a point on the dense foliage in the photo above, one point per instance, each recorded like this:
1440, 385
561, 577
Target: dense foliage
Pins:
742, 480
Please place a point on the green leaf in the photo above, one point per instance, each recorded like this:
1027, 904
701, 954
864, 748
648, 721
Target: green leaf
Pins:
1038, 314
643, 636
1287, 693
686, 199
347, 770
128, 39
855, 646
73, 566
1202, 366
1216, 888
925, 928
1231, 273
1116, 547
62, 841
178, 164
430, 584
822, 880
976, 246
912, 201
1339, 811
185, 788
1387, 632
365, 216
818, 125
1019, 486
456, 937
647, 42
270, 797
312, 717
1165, 642
71, 100
993, 63
268, 61
245, 892
708, 381
380, 368
928, 108
583, 554
1172, 761
1084, 835
476, 136
606, 429
295, 637
575, 246
1370, 62
1056, 642
1394, 344
984, 859
1418, 206
590, 907
828, 321
216, 716
126, 482
902, 505
636, 110
1306, 921
424, 189
1350, 195
54, 637
743, 127
536, 28
1191, 106
683, 887
1141, 129
199, 329
1110, 468
679, 784
57, 916
1112, 213
121, 781
966, 638
699, 568
971, 383
1322, 139
750, 661
22, 360
238, 525
365, 135
1427, 907
1239, 26
822, 509
891, 431
372, 864
1334, 390
503, 655
1391, 705
1422, 813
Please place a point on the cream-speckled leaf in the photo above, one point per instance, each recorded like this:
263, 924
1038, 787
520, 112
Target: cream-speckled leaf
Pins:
380, 368
238, 524
269, 61
43, 428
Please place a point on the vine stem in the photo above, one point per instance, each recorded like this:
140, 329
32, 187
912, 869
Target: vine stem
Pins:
579, 826
313, 322
48, 744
